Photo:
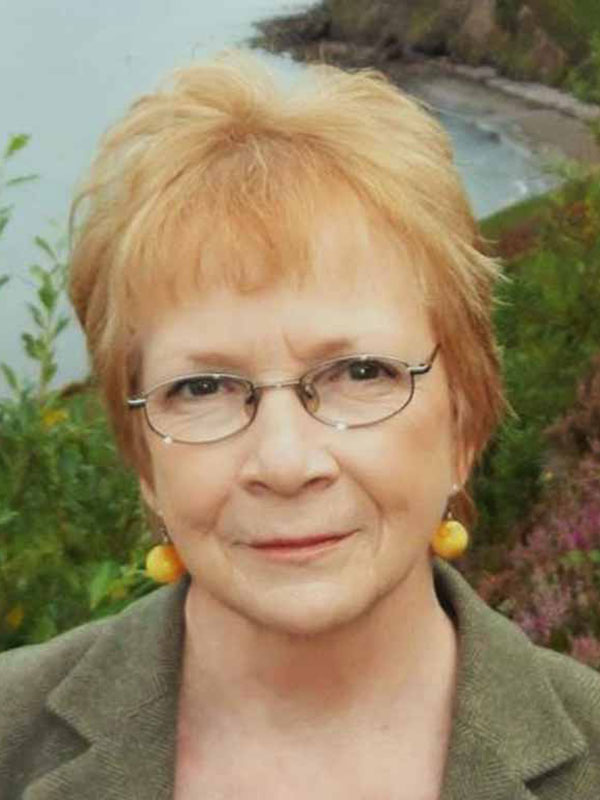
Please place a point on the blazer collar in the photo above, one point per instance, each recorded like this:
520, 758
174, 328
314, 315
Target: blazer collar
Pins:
509, 725
121, 698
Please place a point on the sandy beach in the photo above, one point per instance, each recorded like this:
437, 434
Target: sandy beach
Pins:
545, 130
551, 123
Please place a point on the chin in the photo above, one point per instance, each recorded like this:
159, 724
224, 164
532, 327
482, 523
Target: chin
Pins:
307, 613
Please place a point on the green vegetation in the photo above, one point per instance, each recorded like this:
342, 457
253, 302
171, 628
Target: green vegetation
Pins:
569, 23
507, 13
584, 79
72, 531
537, 546
574, 26
549, 328
553, 41
13, 146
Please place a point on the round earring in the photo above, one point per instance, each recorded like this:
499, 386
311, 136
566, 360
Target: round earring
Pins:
163, 564
451, 538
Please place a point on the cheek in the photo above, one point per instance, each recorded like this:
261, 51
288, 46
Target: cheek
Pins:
407, 464
190, 486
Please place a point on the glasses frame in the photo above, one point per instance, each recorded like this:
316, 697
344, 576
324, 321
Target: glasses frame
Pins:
255, 390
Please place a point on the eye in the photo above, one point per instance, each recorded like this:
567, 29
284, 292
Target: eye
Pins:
361, 370
354, 375
370, 370
196, 386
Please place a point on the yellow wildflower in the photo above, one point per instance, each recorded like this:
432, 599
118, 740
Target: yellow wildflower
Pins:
14, 618
54, 416
118, 594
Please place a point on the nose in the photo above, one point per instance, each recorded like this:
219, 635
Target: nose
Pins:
287, 448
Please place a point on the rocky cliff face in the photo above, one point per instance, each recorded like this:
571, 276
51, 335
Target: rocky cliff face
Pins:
421, 24
474, 31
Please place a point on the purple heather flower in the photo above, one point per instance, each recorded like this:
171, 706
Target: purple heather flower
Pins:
587, 650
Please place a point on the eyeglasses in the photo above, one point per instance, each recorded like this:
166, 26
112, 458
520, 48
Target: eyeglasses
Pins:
349, 392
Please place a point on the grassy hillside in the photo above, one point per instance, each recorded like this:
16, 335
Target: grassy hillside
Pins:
536, 549
549, 329
553, 41
570, 22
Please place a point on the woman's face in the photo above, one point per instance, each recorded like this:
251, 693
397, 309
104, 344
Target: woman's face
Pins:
289, 476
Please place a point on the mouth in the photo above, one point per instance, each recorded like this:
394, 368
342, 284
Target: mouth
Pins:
300, 549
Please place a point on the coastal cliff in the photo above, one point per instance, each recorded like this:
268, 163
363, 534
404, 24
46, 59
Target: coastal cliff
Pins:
536, 40
484, 53
509, 35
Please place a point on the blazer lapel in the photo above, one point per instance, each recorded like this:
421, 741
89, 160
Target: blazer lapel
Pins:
121, 699
510, 727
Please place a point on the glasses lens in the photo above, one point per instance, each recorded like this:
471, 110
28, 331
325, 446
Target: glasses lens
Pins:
200, 408
360, 390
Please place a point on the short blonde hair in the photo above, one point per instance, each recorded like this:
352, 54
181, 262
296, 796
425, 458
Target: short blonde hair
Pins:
226, 160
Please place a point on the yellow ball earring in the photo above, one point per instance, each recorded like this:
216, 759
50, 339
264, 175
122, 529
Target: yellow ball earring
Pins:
163, 564
451, 538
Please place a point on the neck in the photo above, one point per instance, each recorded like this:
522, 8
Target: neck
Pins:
402, 649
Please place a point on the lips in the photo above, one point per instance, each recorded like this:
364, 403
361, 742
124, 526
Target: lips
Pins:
300, 550
292, 544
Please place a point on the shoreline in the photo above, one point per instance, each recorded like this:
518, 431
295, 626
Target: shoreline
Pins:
550, 123
550, 134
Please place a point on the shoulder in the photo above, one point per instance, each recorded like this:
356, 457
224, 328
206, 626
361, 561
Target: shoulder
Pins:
578, 687
28, 676
527, 716
30, 673
86, 687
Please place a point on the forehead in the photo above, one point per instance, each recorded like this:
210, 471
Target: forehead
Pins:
322, 235
267, 296
359, 297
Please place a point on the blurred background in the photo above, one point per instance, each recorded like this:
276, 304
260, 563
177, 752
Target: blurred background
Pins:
517, 86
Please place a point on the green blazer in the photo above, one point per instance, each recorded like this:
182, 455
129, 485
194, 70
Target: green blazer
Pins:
92, 713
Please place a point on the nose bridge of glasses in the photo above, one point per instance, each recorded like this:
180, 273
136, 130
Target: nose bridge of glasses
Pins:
302, 388
300, 385
277, 384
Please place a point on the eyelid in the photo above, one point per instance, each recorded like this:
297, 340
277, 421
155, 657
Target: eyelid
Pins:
183, 381
190, 376
360, 358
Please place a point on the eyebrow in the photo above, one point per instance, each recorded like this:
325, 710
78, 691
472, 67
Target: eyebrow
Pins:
319, 352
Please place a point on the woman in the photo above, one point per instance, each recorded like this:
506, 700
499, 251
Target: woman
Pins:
290, 321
